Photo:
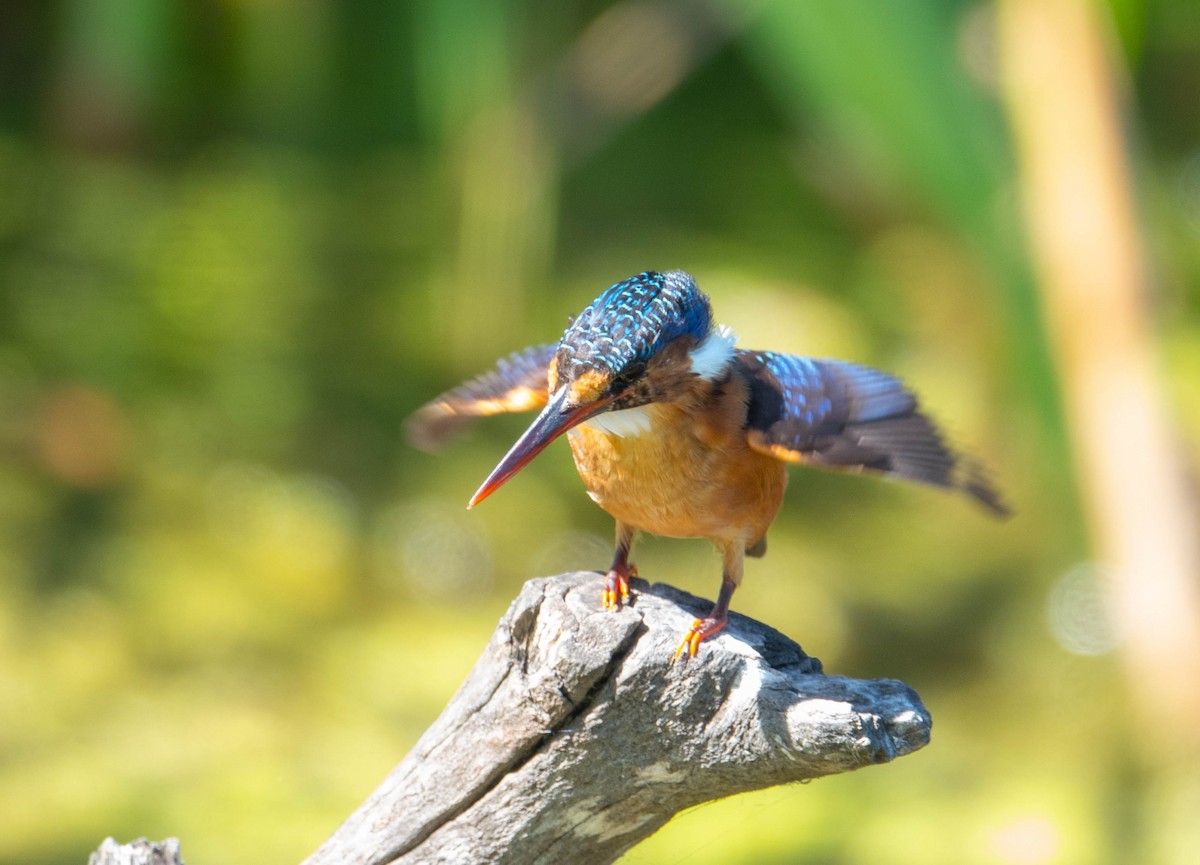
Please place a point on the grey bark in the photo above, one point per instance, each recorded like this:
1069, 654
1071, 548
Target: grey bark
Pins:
575, 736
139, 852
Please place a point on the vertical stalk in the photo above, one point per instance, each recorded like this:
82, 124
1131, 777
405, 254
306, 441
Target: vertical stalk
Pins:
1064, 103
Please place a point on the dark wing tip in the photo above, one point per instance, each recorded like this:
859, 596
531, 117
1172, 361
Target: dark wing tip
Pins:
976, 483
912, 447
839, 415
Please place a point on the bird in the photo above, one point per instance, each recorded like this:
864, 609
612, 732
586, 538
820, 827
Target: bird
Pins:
677, 432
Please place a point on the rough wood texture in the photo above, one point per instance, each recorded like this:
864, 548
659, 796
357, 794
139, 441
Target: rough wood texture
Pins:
574, 736
139, 852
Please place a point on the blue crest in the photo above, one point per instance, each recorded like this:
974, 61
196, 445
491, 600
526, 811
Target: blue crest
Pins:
623, 328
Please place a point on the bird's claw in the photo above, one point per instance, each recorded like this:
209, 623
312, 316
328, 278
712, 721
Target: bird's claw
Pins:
616, 587
700, 630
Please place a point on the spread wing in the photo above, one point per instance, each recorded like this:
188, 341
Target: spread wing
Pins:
518, 383
839, 415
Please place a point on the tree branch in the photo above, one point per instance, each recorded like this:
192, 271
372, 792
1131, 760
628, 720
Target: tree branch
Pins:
139, 852
574, 736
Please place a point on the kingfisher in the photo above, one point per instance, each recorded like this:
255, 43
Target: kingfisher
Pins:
678, 432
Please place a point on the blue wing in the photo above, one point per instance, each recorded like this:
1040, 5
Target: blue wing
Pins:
839, 415
518, 383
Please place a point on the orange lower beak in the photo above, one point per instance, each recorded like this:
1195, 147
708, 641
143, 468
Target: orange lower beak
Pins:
550, 424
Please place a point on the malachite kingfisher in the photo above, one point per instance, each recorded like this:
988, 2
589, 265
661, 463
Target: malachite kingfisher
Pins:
677, 432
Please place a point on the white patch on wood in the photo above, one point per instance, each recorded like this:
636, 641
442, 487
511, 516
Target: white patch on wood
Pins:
586, 819
659, 773
807, 719
711, 356
748, 686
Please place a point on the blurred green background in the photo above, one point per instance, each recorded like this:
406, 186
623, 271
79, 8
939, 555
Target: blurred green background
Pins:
240, 241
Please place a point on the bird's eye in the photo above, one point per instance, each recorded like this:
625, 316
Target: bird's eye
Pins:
625, 379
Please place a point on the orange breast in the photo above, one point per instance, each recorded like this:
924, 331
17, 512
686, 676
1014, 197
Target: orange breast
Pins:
682, 477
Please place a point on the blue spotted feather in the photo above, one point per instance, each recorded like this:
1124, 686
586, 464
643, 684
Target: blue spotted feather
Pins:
839, 415
623, 328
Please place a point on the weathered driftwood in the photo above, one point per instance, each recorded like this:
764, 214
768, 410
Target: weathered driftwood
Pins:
139, 852
575, 736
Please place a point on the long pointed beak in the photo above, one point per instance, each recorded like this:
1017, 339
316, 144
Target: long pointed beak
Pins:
550, 424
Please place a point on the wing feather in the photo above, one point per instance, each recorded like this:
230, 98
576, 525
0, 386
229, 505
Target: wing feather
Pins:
839, 415
518, 383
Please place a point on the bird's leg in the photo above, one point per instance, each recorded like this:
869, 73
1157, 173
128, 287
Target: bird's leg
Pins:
733, 554
616, 582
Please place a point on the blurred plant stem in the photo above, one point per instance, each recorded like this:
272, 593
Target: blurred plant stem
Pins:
500, 172
1064, 99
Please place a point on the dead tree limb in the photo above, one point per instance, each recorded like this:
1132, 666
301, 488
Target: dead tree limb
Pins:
139, 852
574, 736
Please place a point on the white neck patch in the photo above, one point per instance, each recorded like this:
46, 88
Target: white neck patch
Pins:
628, 422
711, 356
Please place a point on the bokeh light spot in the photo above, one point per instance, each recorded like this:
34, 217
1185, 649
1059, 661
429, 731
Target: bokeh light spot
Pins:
631, 56
1076, 613
1029, 840
81, 436
572, 551
433, 552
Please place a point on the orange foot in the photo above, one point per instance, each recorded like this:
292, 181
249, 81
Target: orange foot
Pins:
701, 629
616, 586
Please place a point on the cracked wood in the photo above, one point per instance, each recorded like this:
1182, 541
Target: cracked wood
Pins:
574, 736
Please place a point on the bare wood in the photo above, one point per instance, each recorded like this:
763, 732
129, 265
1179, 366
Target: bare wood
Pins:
574, 736
139, 852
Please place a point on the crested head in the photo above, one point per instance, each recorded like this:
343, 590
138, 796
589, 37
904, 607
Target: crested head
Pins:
609, 345
623, 327
646, 340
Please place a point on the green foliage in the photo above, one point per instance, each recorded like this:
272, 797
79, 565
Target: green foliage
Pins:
240, 242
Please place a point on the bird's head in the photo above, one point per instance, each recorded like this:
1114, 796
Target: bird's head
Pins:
643, 340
